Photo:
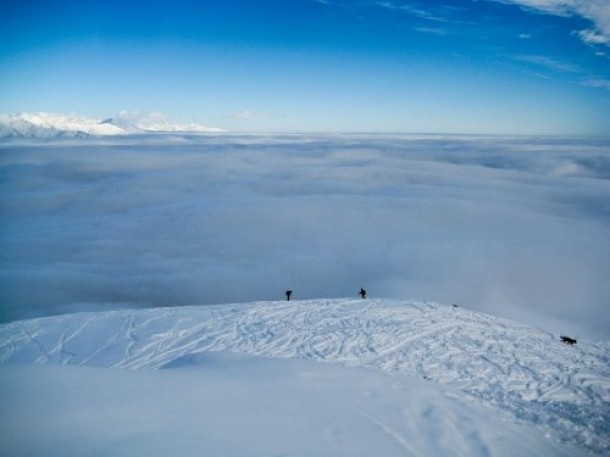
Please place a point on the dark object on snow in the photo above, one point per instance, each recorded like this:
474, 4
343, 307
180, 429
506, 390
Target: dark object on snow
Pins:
362, 293
455, 306
568, 340
288, 294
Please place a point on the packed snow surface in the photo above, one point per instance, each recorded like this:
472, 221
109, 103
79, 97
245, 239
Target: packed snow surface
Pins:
486, 384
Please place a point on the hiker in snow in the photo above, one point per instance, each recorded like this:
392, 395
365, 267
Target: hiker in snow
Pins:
362, 293
288, 294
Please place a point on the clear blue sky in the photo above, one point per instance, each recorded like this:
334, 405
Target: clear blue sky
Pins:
455, 66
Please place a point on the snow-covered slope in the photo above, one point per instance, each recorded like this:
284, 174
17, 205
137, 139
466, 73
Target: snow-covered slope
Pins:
522, 373
155, 122
234, 405
48, 125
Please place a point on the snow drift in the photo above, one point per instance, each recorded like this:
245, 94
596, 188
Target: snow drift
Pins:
471, 367
220, 404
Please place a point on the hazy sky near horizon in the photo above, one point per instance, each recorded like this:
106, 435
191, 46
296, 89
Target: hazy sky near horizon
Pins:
461, 66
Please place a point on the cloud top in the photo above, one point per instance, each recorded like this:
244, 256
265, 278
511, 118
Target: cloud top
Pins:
514, 226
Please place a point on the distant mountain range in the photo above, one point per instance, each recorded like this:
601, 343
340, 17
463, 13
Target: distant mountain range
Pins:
49, 125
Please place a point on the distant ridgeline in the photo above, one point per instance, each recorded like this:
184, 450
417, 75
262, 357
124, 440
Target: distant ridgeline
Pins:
48, 125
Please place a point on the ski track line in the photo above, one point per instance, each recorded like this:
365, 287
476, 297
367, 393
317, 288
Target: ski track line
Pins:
394, 435
109, 343
41, 348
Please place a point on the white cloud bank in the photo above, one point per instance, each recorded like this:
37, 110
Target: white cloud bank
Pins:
518, 227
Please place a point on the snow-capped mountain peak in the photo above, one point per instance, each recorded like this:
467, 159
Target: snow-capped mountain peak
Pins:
150, 122
51, 125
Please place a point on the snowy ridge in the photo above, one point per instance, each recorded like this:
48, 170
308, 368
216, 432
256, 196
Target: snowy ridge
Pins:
49, 125
525, 372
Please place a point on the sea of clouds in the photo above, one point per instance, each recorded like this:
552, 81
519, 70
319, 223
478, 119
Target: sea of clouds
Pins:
515, 226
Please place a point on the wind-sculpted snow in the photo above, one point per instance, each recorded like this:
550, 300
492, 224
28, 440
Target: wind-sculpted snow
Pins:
525, 372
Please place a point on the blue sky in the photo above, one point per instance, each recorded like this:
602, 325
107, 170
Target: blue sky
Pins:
454, 66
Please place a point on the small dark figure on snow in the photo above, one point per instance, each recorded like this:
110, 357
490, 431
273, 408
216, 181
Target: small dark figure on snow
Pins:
568, 340
288, 294
362, 293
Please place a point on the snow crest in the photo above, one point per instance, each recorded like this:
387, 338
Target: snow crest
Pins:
522, 372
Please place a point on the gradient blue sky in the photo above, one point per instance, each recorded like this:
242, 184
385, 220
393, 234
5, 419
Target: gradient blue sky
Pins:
454, 66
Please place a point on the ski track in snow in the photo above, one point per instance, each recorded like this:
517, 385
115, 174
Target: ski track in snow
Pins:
524, 372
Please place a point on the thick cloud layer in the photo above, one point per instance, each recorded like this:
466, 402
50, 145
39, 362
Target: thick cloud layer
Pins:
518, 227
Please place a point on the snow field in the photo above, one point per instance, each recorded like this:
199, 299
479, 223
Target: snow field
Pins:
226, 404
521, 373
